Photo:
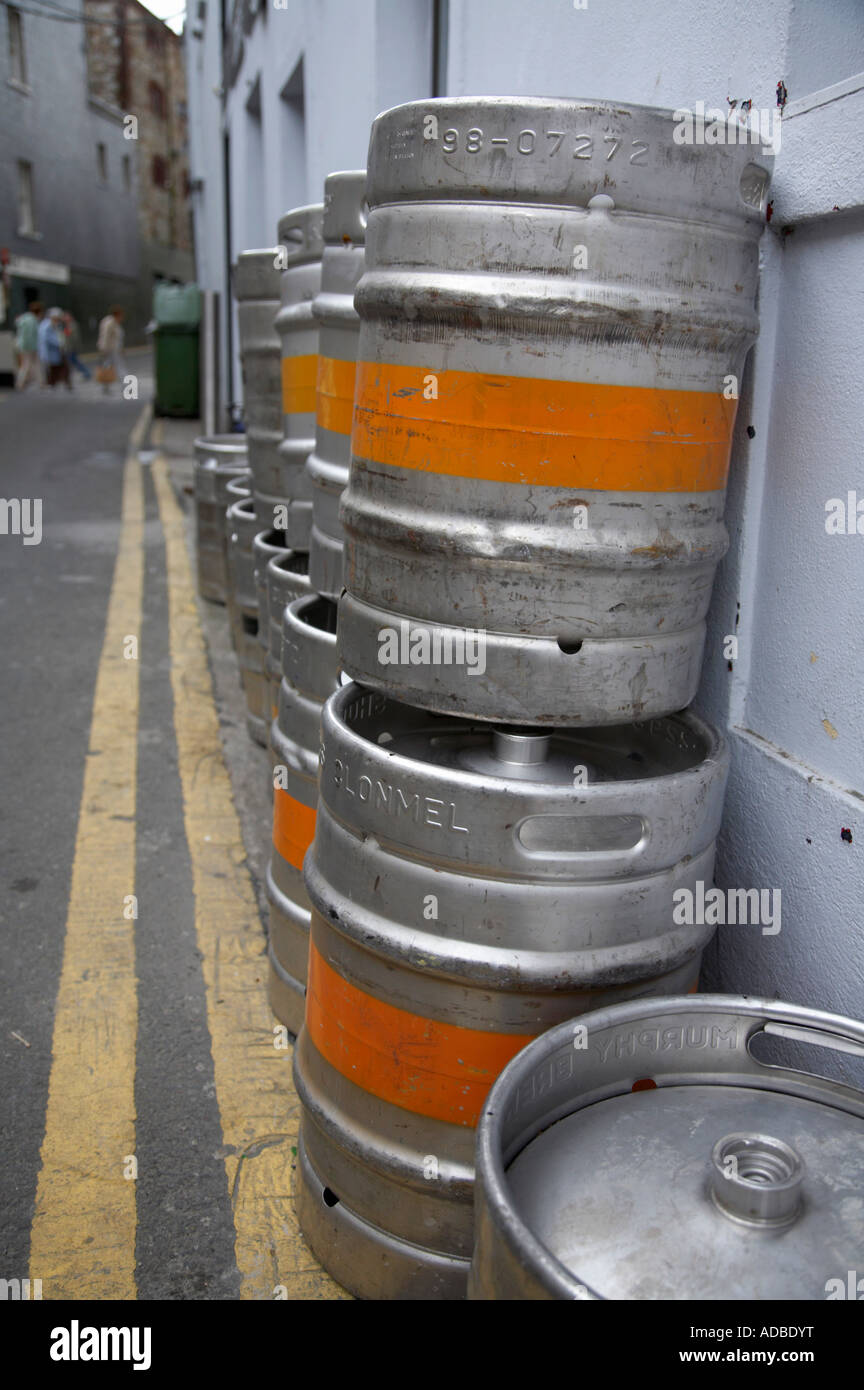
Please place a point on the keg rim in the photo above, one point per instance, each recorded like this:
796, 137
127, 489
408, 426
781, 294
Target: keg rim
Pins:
242, 503
295, 611
308, 219
493, 1157
535, 102
263, 541
715, 751
289, 553
345, 213
212, 445
255, 277
724, 199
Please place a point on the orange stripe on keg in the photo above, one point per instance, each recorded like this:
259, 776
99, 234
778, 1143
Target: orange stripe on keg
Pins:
427, 1067
298, 384
573, 434
293, 827
335, 394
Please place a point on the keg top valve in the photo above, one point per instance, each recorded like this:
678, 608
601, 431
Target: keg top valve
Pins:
523, 748
757, 1179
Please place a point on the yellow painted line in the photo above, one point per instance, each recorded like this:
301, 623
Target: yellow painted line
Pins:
258, 1105
82, 1242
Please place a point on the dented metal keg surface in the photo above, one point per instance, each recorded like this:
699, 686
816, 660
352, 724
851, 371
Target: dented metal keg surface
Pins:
471, 887
300, 248
256, 288
655, 1156
555, 310
339, 330
310, 675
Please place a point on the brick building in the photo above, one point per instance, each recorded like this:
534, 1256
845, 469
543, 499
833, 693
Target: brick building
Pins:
136, 67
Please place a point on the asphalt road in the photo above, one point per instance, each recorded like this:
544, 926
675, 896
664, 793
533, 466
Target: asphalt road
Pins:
68, 450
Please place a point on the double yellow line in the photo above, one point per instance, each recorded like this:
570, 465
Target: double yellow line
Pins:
84, 1226
82, 1242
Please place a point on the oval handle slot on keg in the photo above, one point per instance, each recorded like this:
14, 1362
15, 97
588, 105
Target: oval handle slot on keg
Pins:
770, 1047
570, 836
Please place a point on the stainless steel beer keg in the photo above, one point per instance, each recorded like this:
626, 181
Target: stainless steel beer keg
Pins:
268, 546
218, 459
257, 278
471, 887
339, 330
310, 676
287, 580
652, 1155
301, 245
237, 489
556, 306
243, 526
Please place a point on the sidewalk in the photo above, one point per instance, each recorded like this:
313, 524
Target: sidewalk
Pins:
248, 764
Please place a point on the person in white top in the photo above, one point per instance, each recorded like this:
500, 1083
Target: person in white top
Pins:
110, 345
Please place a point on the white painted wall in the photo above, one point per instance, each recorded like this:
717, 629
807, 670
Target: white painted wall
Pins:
794, 785
359, 57
801, 592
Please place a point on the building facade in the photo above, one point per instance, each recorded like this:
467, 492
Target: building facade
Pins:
279, 97
280, 94
68, 198
136, 70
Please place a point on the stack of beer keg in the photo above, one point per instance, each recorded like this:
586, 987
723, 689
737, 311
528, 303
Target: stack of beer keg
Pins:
284, 571
220, 459
555, 301
274, 288
319, 395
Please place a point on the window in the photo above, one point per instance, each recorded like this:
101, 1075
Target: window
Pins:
154, 38
17, 57
156, 98
26, 219
159, 171
127, 173
102, 162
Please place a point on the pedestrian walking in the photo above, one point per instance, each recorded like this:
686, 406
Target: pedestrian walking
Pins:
73, 347
51, 341
27, 345
110, 344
